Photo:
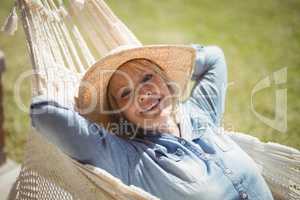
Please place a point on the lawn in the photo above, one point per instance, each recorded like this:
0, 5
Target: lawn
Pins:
258, 38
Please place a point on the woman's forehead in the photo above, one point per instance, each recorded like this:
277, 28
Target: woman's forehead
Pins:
130, 73
138, 65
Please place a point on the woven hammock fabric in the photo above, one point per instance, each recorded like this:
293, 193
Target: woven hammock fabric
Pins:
62, 46
47, 173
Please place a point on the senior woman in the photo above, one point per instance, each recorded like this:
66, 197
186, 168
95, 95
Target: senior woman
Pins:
172, 149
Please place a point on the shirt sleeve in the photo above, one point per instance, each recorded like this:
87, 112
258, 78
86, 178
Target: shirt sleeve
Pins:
210, 75
79, 138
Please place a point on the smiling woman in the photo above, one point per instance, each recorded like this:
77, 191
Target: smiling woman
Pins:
190, 158
144, 95
185, 153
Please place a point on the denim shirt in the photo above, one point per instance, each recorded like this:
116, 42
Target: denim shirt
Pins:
205, 165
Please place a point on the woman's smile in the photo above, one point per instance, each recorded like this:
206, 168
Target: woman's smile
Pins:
153, 108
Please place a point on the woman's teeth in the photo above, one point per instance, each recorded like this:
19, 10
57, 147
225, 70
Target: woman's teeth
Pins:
154, 105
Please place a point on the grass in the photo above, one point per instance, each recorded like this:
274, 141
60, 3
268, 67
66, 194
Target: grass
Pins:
258, 38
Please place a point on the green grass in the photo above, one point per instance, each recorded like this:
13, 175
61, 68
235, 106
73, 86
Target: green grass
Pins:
258, 38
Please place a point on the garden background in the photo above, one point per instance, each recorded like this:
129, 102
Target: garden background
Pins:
258, 39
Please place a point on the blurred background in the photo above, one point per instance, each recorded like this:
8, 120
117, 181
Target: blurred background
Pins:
258, 39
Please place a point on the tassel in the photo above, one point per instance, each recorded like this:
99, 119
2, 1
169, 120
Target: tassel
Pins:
78, 4
63, 12
35, 4
11, 22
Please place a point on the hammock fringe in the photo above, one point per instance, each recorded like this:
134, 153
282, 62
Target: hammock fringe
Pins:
10, 25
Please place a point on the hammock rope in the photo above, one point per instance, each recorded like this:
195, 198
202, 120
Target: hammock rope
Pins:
63, 43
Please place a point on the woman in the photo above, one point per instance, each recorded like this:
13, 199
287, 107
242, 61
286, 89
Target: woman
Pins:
173, 150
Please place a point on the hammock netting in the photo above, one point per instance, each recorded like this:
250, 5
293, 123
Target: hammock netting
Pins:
63, 41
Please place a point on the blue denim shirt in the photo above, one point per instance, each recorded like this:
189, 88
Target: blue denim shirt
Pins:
206, 165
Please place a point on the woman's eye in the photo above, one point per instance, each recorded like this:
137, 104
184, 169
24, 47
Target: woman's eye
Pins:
147, 77
125, 93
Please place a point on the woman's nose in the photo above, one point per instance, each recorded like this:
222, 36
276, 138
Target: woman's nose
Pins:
143, 97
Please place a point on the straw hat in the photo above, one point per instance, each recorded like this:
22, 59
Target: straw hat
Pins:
92, 101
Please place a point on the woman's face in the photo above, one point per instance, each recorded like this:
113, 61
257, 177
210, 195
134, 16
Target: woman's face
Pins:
140, 94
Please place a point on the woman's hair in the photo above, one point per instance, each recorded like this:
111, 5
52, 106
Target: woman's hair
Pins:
119, 119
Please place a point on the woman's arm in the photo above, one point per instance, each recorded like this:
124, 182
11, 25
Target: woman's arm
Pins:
64, 128
79, 138
210, 74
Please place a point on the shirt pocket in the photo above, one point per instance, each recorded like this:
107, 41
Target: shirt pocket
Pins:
184, 169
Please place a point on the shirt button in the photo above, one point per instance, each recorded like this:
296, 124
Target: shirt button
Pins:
243, 195
204, 156
228, 171
179, 152
93, 128
182, 142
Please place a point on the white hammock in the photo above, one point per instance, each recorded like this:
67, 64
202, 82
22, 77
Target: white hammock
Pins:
62, 46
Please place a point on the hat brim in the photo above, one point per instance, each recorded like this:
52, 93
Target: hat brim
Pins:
176, 60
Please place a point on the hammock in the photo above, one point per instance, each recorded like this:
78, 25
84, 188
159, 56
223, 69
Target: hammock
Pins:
62, 46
